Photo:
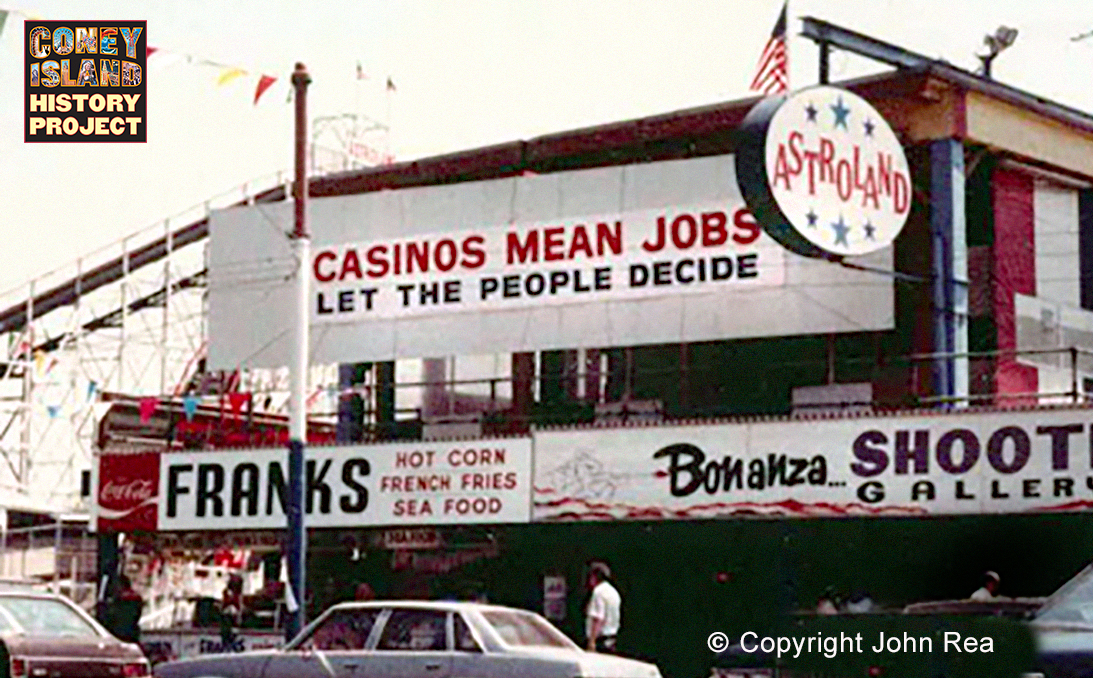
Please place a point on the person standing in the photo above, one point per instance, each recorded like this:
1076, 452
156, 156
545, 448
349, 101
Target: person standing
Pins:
604, 613
125, 612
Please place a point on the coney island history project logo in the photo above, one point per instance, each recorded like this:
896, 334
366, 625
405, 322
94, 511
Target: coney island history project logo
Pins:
85, 81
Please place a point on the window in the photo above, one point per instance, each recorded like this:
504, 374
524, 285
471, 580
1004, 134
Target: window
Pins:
342, 630
464, 639
529, 630
46, 616
415, 630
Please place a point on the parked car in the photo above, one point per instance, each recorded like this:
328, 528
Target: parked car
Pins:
1064, 629
49, 636
428, 639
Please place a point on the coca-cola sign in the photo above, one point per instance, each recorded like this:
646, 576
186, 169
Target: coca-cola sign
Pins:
128, 492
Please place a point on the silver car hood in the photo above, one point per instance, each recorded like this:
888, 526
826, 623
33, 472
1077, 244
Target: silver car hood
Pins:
593, 664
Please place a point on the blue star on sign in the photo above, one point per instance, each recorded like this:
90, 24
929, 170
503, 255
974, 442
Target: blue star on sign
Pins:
811, 111
870, 230
841, 229
869, 127
811, 218
841, 113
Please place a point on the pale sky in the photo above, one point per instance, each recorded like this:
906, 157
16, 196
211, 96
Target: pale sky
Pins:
468, 73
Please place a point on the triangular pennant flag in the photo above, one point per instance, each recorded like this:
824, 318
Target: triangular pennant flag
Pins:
147, 409
390, 85
236, 400
264, 83
3, 18
92, 387
150, 51
360, 72
230, 74
53, 411
39, 359
52, 364
189, 406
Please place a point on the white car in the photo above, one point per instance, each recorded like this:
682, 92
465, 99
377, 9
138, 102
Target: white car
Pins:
419, 640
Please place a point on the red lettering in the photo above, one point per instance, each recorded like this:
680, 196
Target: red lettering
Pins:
827, 154
473, 254
319, 258
795, 141
553, 244
417, 253
681, 222
844, 180
580, 243
518, 253
713, 229
747, 229
378, 265
445, 262
351, 265
610, 236
781, 168
901, 196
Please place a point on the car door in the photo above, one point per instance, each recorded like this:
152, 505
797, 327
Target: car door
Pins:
334, 648
414, 643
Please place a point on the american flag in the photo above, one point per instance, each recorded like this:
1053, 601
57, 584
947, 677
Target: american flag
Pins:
772, 74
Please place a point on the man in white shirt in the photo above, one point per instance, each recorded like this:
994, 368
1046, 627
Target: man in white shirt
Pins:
604, 614
989, 590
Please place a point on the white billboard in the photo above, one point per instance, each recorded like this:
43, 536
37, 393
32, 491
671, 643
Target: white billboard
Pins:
638, 254
481, 481
1001, 462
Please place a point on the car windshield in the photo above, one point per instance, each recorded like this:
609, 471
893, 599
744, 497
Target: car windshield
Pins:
45, 616
526, 630
1073, 602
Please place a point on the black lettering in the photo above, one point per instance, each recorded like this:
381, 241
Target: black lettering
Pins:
776, 469
639, 275
245, 488
322, 307
693, 466
1060, 443
345, 301
797, 476
558, 280
210, 483
923, 489
603, 278
175, 488
734, 473
817, 473
1022, 447
919, 453
960, 493
996, 491
721, 268
316, 483
487, 286
452, 291
872, 461
512, 286
756, 477
1030, 488
945, 451
747, 266
358, 501
662, 273
1064, 487
276, 486
871, 492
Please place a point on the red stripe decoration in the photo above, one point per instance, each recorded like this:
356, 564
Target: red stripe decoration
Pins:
1014, 273
772, 73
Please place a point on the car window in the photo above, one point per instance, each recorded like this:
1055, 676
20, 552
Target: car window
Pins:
464, 639
422, 630
526, 629
47, 616
342, 630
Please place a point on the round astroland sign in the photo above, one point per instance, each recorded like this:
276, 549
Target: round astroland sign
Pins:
823, 173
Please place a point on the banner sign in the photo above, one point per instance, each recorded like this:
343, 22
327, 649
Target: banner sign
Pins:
638, 254
1010, 462
623, 255
128, 490
484, 481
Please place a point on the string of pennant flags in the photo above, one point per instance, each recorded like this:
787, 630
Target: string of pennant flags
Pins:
227, 73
